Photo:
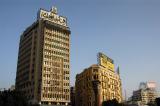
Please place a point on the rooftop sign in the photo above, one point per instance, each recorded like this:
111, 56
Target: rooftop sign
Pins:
52, 16
151, 85
105, 61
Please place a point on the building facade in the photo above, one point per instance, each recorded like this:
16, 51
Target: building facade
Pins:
146, 94
72, 95
100, 82
43, 68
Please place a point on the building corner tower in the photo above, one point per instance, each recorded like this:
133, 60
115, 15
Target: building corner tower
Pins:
43, 67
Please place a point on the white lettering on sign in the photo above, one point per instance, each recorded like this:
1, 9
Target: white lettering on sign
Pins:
53, 17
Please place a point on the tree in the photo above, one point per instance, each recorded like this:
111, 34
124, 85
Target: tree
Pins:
12, 98
158, 101
113, 102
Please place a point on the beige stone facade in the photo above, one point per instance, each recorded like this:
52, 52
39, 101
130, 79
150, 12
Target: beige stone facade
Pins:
43, 68
109, 86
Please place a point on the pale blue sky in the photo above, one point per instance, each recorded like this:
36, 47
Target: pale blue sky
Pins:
128, 31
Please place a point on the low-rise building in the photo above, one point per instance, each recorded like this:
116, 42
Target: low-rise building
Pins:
146, 94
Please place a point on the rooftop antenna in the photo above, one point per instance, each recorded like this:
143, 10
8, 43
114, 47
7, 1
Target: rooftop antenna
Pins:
118, 71
125, 94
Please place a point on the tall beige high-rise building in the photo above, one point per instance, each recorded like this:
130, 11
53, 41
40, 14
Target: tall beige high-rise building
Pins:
43, 68
100, 82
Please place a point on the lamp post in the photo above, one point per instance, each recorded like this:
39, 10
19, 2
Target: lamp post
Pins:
96, 89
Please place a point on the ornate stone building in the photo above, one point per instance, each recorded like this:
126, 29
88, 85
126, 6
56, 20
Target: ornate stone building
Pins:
100, 82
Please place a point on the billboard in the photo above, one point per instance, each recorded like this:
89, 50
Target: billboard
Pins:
151, 85
52, 16
105, 61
